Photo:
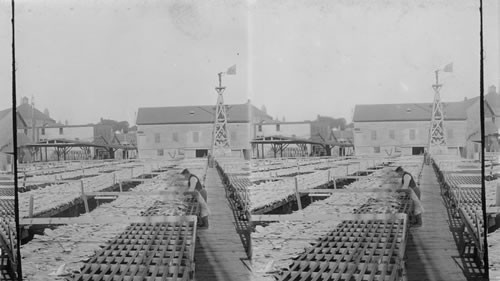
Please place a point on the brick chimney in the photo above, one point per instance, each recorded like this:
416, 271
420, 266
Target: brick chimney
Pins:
492, 89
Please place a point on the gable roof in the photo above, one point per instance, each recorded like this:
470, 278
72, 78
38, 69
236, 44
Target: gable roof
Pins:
27, 112
7, 113
492, 104
236, 113
4, 112
409, 111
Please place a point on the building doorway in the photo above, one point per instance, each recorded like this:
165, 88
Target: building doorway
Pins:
418, 150
201, 153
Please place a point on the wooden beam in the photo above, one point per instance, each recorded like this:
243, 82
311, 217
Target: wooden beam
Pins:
136, 193
343, 190
325, 217
469, 186
87, 219
493, 210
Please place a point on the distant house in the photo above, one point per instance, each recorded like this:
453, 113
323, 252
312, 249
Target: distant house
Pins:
346, 139
294, 130
127, 139
186, 131
491, 122
7, 138
404, 128
33, 117
302, 130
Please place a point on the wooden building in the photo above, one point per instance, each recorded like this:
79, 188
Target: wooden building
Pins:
491, 120
346, 139
317, 137
33, 118
7, 138
186, 131
391, 129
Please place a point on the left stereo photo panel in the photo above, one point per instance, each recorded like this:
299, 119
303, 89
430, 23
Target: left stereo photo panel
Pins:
9, 258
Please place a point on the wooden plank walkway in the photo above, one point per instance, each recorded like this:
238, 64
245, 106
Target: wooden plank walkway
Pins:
219, 253
432, 250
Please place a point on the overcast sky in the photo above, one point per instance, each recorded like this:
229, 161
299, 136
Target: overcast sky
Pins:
89, 59
5, 56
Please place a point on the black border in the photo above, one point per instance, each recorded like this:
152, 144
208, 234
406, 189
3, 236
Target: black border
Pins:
482, 159
14, 137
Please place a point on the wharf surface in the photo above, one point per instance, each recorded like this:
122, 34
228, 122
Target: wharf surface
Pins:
432, 249
219, 253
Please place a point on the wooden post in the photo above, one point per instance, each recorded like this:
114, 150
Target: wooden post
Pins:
84, 198
498, 195
121, 186
459, 197
297, 195
478, 230
30, 211
334, 183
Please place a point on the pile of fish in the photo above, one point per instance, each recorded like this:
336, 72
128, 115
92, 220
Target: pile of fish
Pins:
491, 192
57, 195
61, 252
276, 245
494, 254
269, 192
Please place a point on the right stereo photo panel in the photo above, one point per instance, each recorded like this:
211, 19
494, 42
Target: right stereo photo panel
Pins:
491, 114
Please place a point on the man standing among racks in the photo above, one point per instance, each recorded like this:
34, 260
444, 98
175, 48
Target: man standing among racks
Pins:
201, 192
407, 182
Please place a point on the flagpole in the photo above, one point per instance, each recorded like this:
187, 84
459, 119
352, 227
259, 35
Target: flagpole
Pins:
220, 79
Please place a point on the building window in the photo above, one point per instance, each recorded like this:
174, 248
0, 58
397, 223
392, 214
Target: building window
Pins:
412, 134
43, 131
175, 137
374, 135
61, 131
196, 136
159, 152
277, 127
376, 149
157, 138
450, 133
259, 128
391, 134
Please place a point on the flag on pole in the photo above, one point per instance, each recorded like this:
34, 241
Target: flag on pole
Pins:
231, 70
448, 67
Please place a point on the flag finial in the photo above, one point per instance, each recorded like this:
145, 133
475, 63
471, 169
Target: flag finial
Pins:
448, 67
231, 70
